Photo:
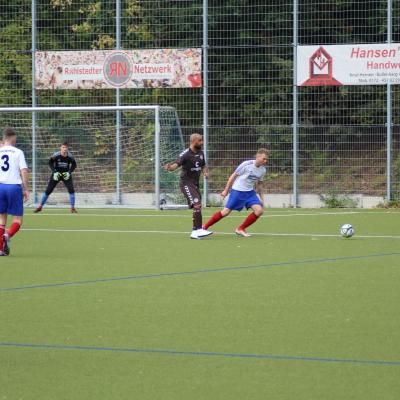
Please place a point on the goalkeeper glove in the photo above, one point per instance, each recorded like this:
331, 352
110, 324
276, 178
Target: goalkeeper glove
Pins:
57, 176
66, 176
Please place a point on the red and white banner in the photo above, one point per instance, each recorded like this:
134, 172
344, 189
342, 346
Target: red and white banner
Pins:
358, 64
108, 69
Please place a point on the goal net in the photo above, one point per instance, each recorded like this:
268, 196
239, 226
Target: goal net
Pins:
119, 151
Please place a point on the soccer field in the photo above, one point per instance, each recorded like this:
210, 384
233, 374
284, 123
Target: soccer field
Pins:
121, 304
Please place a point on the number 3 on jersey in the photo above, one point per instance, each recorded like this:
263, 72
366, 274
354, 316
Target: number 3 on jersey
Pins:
5, 165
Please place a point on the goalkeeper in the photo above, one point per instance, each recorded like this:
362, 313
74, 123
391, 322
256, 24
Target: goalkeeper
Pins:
62, 165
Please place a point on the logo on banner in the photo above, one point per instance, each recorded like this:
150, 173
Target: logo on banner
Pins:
321, 70
118, 69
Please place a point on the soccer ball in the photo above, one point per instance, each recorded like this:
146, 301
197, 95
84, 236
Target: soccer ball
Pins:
347, 230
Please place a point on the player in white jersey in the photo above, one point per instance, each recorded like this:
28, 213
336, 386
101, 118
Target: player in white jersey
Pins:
13, 188
244, 185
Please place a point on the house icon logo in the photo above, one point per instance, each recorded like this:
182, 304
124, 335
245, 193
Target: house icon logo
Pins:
321, 70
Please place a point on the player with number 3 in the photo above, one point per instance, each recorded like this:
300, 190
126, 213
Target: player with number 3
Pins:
13, 188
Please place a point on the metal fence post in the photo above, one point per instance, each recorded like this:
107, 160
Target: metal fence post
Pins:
33, 39
118, 113
295, 110
389, 114
205, 93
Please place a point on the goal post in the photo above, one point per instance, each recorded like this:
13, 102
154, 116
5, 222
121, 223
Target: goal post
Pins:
116, 167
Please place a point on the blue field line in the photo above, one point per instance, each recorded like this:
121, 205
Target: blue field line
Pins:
200, 353
197, 271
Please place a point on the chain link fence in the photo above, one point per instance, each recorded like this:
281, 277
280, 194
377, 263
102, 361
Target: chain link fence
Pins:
250, 99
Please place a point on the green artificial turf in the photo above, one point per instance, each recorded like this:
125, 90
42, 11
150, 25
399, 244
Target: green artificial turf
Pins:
121, 304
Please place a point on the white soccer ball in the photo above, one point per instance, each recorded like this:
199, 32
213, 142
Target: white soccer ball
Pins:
347, 230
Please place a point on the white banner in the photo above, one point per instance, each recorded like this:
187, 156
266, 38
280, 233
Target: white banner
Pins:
358, 64
109, 69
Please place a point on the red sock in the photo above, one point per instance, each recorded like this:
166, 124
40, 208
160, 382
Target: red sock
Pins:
215, 218
14, 228
2, 230
248, 221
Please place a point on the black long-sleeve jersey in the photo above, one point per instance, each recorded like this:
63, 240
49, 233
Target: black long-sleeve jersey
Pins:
59, 163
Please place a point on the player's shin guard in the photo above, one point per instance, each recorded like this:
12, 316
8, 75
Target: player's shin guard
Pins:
44, 199
249, 221
214, 219
72, 200
14, 228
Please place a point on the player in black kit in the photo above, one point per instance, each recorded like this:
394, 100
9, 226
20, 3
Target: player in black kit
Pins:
62, 164
193, 164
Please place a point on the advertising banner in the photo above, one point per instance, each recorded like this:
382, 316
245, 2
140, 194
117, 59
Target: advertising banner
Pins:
109, 69
358, 64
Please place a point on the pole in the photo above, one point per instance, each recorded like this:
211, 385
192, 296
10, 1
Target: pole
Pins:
205, 93
295, 110
389, 114
33, 39
118, 113
157, 158
76, 108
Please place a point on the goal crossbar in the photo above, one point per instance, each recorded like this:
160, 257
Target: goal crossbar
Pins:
80, 108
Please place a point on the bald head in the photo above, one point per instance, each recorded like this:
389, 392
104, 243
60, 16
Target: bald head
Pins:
196, 141
194, 137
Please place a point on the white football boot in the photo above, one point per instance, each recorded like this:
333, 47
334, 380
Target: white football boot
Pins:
201, 233
242, 232
194, 235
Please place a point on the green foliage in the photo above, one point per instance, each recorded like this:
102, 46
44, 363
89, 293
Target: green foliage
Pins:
335, 200
250, 69
91, 25
389, 204
396, 179
214, 201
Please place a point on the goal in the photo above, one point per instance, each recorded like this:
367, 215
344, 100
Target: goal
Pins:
120, 152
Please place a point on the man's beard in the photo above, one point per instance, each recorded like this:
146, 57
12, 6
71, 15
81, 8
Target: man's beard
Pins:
198, 146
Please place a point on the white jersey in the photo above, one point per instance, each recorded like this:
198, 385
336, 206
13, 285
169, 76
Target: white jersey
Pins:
12, 160
249, 175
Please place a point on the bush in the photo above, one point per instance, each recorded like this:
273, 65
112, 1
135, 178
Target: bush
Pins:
334, 200
389, 204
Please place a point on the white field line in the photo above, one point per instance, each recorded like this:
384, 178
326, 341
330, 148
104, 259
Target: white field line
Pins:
187, 233
162, 215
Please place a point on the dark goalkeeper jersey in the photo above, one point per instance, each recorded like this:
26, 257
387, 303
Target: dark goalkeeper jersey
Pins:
192, 163
59, 163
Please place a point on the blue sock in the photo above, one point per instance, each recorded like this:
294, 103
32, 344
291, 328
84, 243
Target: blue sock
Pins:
44, 199
72, 199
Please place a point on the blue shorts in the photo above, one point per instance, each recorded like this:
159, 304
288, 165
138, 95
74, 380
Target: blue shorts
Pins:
11, 200
237, 200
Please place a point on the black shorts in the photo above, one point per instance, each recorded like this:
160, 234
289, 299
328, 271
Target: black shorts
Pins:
52, 184
191, 193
